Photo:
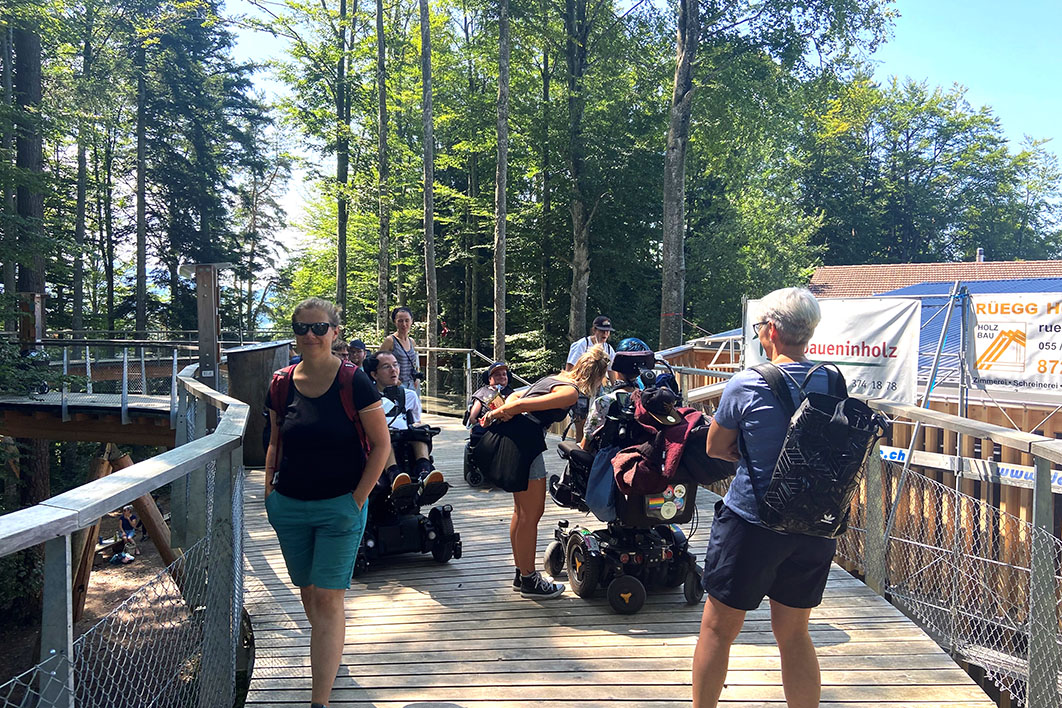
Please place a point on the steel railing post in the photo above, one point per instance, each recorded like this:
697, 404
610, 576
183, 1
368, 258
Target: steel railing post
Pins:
66, 386
173, 392
143, 374
88, 370
57, 626
1043, 615
468, 377
216, 685
196, 513
125, 386
179, 489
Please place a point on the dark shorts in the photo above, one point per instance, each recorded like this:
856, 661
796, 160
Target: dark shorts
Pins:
746, 562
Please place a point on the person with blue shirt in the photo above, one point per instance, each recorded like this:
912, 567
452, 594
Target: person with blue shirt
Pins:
745, 560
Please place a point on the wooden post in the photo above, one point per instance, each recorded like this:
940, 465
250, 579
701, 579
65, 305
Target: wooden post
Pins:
30, 320
206, 293
83, 545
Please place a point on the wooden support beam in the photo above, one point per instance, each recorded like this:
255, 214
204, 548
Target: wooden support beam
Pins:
84, 543
141, 430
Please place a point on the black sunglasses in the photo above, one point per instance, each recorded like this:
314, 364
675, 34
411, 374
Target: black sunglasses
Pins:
318, 328
756, 327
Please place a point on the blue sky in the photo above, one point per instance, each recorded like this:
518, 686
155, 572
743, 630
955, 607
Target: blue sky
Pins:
1007, 54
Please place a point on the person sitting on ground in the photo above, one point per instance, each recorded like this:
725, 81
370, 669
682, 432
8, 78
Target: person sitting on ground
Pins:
402, 346
490, 396
357, 352
746, 560
547, 401
130, 523
403, 411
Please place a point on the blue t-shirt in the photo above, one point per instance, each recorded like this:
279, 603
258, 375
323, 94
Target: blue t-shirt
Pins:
748, 405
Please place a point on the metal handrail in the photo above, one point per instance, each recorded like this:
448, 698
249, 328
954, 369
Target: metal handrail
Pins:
52, 521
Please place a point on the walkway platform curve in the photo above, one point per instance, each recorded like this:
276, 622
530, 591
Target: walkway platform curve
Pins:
422, 634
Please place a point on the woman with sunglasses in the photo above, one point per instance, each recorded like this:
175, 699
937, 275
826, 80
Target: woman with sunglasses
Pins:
403, 347
318, 477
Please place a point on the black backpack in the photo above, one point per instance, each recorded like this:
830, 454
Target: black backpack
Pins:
829, 438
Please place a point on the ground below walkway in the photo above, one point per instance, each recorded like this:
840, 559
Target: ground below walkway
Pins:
424, 634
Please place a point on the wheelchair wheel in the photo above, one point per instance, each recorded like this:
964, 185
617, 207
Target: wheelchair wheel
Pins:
626, 594
584, 568
692, 588
553, 558
474, 477
442, 551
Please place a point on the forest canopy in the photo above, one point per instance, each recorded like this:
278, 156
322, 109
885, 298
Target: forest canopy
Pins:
132, 141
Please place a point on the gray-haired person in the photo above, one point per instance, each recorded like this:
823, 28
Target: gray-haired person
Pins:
745, 560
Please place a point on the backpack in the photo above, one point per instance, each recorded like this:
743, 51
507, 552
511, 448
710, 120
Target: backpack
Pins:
826, 446
281, 392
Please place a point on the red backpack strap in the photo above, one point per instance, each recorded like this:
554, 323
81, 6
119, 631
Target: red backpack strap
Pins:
280, 389
346, 395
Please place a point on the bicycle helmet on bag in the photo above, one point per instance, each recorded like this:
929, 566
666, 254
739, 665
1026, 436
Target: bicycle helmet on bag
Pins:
632, 344
633, 355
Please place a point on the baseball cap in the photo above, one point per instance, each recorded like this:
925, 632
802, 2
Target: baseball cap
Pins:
495, 366
357, 344
603, 323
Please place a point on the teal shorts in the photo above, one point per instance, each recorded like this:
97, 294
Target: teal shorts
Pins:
319, 538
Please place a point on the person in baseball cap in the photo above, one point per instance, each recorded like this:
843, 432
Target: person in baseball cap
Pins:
599, 334
356, 352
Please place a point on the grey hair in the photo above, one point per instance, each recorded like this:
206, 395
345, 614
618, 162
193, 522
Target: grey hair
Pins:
794, 312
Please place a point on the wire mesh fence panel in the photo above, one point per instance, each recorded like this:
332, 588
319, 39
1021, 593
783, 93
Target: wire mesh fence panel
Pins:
38, 687
960, 566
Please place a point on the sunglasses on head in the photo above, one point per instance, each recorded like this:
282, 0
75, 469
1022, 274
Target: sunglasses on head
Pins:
318, 328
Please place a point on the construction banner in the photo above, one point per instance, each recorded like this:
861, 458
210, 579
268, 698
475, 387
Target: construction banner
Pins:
1016, 340
874, 341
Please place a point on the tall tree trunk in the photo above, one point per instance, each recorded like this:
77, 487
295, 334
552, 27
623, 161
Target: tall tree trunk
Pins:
383, 284
29, 159
547, 203
108, 223
141, 191
576, 29
501, 180
77, 319
342, 161
7, 146
672, 300
473, 236
29, 202
429, 191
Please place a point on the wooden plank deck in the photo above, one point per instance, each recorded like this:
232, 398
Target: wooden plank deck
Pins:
424, 634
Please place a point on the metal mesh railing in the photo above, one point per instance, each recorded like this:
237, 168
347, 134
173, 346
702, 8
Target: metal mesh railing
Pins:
961, 568
173, 643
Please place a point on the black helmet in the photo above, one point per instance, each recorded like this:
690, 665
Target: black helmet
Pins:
632, 344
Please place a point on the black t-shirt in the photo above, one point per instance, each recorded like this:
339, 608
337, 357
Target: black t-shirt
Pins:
321, 453
541, 388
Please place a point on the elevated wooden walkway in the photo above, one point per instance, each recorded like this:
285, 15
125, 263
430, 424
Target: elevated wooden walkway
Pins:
93, 417
424, 634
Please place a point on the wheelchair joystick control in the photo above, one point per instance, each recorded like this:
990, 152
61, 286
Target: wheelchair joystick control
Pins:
563, 523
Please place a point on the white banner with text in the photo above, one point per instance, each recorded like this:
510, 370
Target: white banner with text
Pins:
1016, 340
874, 341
